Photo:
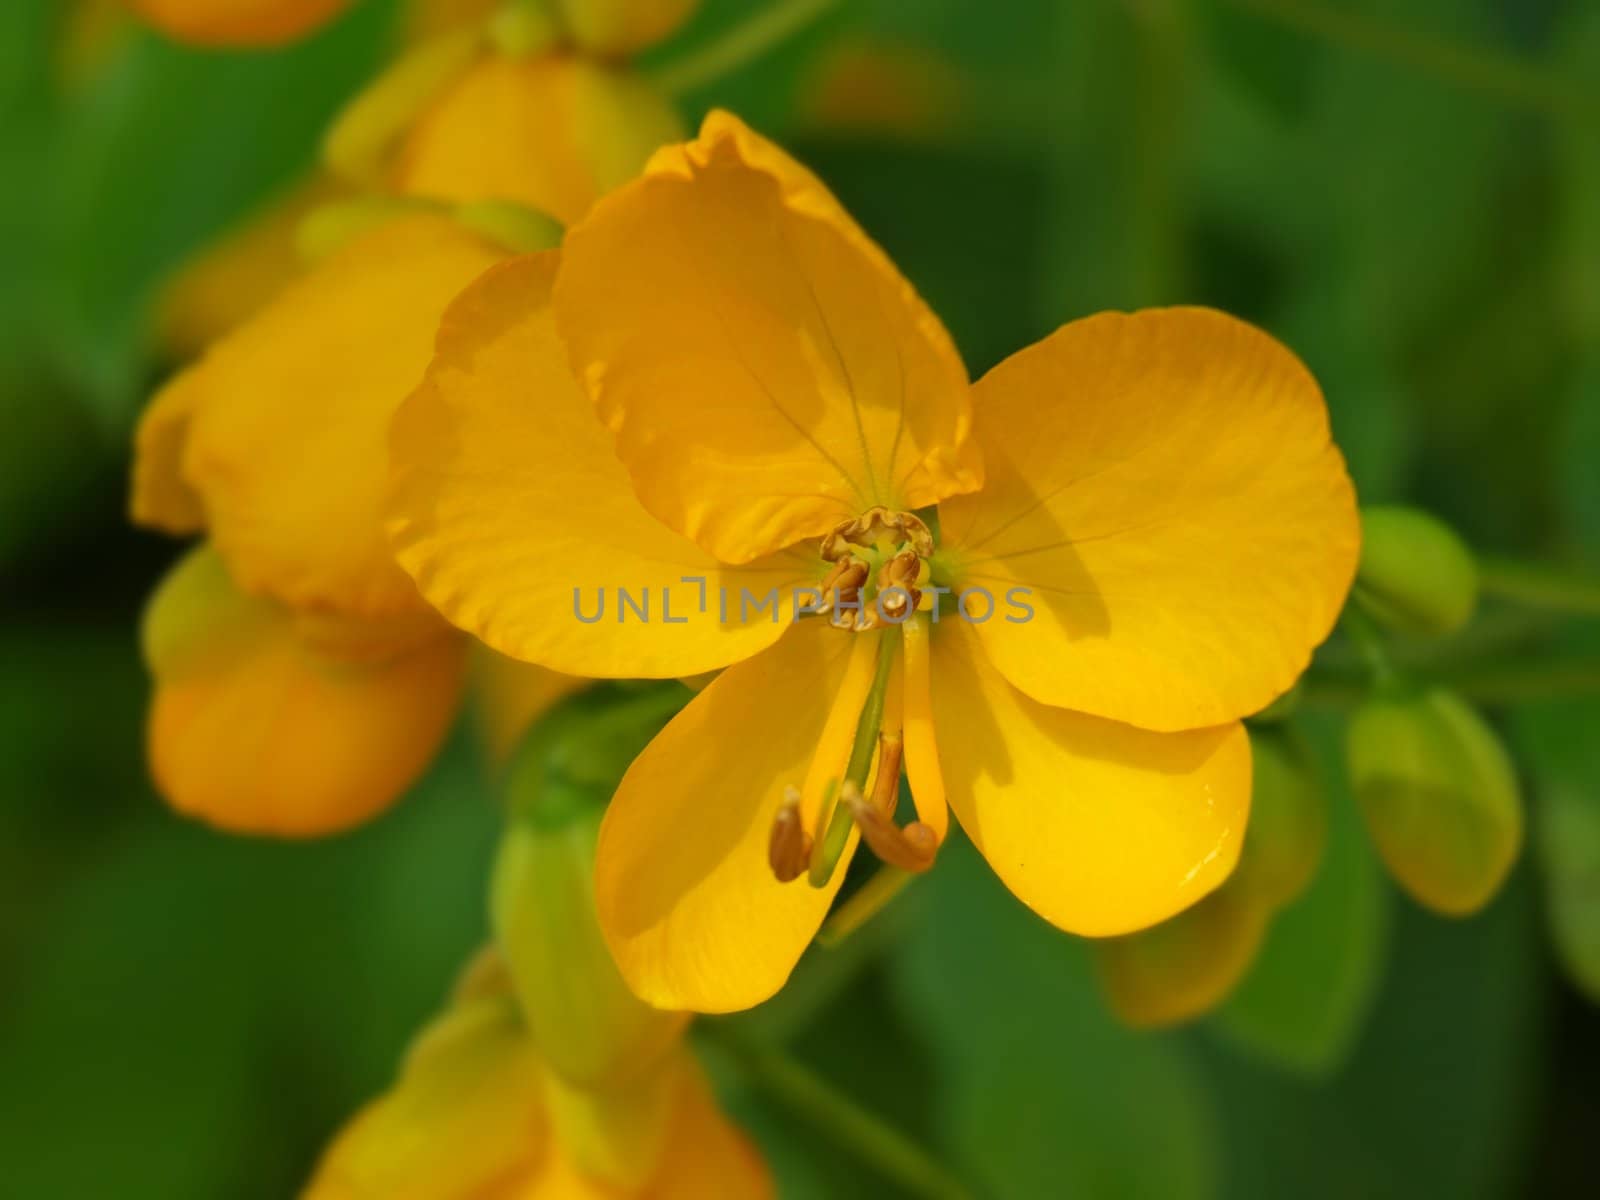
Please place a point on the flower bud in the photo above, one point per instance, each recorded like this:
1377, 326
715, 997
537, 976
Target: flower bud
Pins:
1416, 575
616, 1136
466, 1115
550, 132
1288, 820
613, 28
592, 1031
1185, 966
1439, 796
238, 22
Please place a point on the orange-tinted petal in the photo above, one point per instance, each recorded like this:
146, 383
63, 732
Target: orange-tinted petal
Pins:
706, 1155
288, 432
1099, 827
517, 521
686, 895
254, 731
1163, 488
465, 1120
765, 369
161, 497
551, 132
237, 22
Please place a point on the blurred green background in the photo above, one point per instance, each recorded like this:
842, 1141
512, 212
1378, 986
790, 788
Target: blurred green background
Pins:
1406, 191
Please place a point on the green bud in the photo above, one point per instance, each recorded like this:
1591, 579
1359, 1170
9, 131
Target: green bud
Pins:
590, 1028
1185, 966
1288, 820
1416, 575
1439, 796
520, 229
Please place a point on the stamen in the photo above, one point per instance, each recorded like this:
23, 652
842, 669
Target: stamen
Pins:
876, 523
826, 852
911, 849
886, 783
789, 849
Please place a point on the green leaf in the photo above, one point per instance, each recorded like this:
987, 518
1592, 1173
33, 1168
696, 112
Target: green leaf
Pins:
1303, 1004
1044, 1093
1433, 1100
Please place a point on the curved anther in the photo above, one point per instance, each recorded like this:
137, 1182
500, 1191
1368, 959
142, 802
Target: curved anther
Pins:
789, 847
911, 849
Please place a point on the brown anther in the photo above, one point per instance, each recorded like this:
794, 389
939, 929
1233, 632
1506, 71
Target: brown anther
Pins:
900, 573
789, 848
876, 523
841, 591
911, 849
886, 783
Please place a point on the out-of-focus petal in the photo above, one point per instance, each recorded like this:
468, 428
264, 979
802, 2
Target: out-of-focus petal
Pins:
465, 1120
238, 23
254, 731
289, 417
551, 132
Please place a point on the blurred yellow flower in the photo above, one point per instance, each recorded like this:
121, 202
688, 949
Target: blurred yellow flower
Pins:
1161, 488
238, 22
478, 1114
301, 682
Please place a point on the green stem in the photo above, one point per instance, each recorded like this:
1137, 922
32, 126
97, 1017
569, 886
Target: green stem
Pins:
826, 857
869, 900
742, 44
1494, 681
1511, 80
850, 1126
1540, 586
1368, 640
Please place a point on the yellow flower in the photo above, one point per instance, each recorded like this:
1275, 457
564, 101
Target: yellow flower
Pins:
238, 22
301, 682
477, 1115
1153, 499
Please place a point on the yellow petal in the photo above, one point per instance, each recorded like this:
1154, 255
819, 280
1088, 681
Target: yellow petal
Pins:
1185, 966
231, 279
613, 28
253, 731
288, 433
687, 898
1099, 827
765, 369
237, 22
1164, 487
465, 1121
516, 519
551, 132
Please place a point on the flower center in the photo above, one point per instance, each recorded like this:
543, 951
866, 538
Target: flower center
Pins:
879, 559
